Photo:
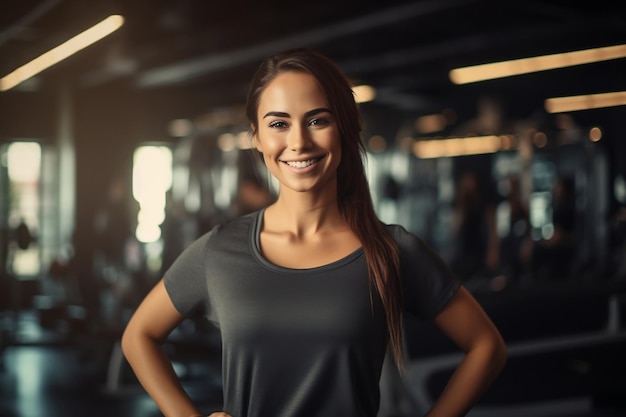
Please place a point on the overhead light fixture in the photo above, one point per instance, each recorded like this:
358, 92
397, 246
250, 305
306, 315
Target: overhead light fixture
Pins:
440, 148
585, 102
502, 69
61, 52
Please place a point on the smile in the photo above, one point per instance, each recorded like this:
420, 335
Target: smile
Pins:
302, 164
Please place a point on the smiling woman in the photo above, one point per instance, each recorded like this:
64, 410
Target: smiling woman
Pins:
309, 292
298, 136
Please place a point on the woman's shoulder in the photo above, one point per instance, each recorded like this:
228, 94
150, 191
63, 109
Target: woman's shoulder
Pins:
237, 223
400, 234
235, 230
409, 243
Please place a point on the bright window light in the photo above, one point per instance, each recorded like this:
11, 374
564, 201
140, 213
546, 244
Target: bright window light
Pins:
152, 177
24, 161
23, 166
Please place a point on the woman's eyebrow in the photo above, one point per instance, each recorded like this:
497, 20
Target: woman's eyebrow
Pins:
316, 111
307, 114
276, 114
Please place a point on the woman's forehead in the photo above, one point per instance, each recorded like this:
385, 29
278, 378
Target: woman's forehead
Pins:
292, 89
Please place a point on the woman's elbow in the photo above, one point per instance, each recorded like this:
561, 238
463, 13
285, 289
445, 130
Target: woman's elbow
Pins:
132, 340
127, 342
499, 353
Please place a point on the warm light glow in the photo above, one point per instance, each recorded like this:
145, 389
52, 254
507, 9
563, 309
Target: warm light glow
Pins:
430, 123
585, 102
226, 142
540, 139
61, 52
426, 149
508, 142
377, 144
595, 134
535, 64
243, 140
180, 128
364, 93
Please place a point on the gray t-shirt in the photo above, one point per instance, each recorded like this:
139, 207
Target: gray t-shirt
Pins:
299, 342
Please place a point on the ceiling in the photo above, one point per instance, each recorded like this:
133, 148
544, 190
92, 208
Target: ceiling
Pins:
204, 52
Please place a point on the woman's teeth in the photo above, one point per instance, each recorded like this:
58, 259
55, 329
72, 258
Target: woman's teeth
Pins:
301, 164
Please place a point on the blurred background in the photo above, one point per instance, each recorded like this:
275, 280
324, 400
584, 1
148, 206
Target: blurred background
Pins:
118, 153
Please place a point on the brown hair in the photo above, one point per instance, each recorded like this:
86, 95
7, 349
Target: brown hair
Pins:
353, 193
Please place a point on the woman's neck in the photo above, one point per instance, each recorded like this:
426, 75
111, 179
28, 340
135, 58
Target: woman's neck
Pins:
302, 214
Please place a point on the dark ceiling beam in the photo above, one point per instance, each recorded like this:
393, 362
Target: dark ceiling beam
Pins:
185, 71
454, 48
27, 20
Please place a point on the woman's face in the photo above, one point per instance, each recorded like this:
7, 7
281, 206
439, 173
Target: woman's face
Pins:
297, 134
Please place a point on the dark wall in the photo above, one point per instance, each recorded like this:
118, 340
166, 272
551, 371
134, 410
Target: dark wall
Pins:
27, 115
104, 146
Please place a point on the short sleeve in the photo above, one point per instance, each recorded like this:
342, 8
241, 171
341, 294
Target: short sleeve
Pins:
186, 281
428, 282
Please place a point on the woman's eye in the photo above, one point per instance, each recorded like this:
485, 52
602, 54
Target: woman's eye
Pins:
318, 122
278, 124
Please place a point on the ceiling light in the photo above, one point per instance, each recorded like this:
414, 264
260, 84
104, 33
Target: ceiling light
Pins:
439, 148
585, 102
61, 52
535, 64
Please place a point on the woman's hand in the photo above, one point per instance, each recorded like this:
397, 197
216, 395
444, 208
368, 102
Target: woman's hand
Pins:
220, 414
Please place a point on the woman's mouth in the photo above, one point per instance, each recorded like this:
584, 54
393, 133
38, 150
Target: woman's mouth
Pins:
302, 164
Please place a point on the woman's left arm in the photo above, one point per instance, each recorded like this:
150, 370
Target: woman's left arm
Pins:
465, 322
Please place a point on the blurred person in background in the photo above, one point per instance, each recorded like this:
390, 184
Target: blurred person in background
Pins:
513, 244
475, 239
553, 258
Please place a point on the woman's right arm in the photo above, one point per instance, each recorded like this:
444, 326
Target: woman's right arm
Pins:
142, 341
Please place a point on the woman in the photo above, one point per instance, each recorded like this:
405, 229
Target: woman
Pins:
309, 292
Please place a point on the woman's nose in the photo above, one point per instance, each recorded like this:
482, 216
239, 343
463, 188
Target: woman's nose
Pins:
298, 138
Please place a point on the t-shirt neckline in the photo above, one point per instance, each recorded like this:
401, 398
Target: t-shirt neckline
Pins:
255, 243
